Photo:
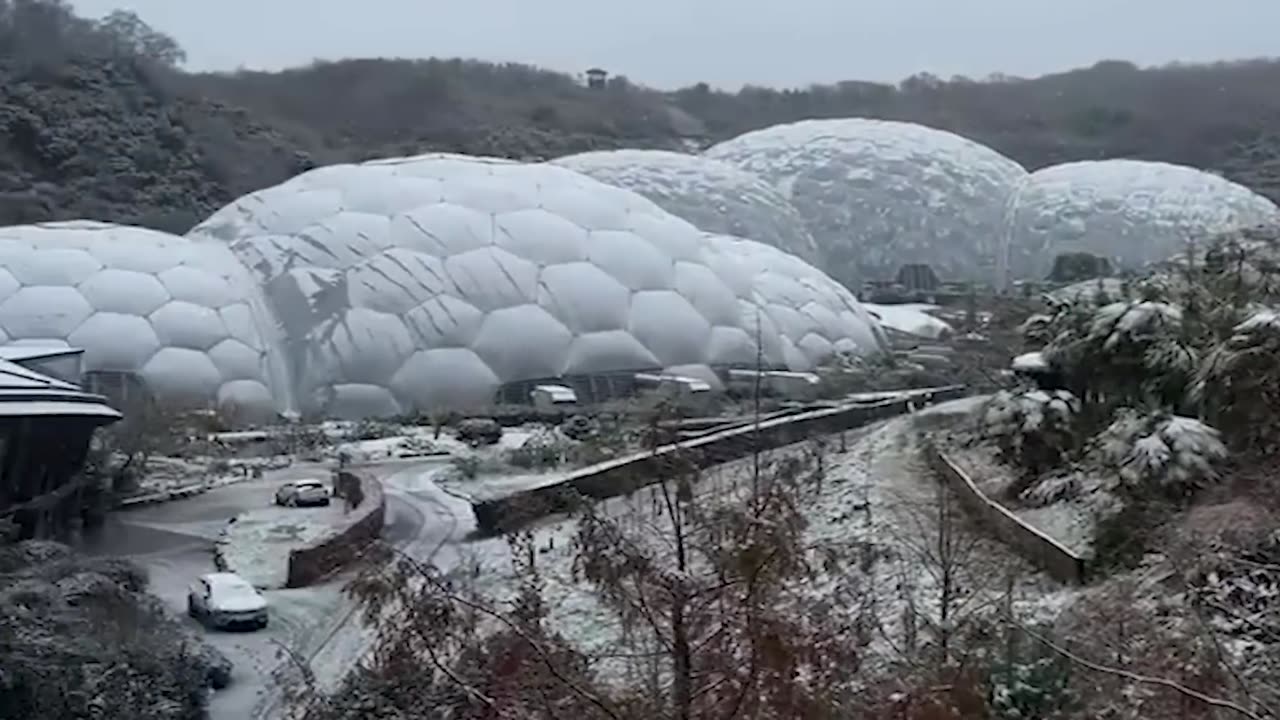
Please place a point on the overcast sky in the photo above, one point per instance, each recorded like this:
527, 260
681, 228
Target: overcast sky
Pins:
670, 43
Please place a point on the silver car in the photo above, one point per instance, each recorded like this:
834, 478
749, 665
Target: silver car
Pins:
226, 600
298, 493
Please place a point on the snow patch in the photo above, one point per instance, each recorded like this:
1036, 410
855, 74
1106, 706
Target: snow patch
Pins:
256, 544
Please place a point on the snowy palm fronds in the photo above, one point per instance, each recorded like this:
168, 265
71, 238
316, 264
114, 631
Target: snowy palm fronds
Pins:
1158, 449
1032, 428
1038, 330
1129, 351
1238, 385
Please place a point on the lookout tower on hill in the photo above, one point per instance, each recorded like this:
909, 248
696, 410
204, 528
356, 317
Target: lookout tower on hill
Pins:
597, 78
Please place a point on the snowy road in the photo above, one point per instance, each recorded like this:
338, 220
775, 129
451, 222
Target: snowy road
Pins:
174, 542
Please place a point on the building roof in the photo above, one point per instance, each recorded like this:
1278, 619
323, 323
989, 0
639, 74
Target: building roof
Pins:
27, 393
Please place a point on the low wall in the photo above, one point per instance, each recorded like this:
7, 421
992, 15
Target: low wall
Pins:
626, 475
362, 525
1025, 539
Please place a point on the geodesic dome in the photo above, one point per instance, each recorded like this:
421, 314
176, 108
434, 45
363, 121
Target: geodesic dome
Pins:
813, 316
1131, 212
427, 283
879, 194
714, 196
178, 315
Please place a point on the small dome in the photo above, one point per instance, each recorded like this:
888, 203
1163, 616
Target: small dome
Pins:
1131, 212
877, 194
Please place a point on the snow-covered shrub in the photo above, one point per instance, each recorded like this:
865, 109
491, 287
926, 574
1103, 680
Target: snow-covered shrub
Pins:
1031, 688
543, 449
1243, 588
1163, 451
1237, 386
1126, 341
1038, 330
1032, 428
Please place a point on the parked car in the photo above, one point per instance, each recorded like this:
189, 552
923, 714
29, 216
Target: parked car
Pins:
297, 493
226, 600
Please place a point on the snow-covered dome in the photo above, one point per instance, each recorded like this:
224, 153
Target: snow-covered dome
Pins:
177, 314
814, 316
879, 194
714, 196
1130, 211
416, 284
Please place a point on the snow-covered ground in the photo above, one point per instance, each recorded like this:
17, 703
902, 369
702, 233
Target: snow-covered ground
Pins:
164, 474
257, 543
408, 441
879, 501
1069, 520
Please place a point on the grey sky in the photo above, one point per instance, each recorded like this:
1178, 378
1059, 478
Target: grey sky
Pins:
669, 43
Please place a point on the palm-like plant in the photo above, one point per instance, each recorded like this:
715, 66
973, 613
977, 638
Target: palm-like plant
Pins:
1033, 429
1160, 451
1129, 352
1237, 386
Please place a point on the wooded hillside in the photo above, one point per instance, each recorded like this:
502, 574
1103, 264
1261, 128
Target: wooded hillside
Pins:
97, 121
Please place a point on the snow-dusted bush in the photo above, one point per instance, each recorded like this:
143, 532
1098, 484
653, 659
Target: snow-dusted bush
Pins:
546, 448
1160, 450
81, 638
1138, 340
1032, 428
1238, 384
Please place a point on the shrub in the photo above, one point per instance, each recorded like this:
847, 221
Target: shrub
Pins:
1033, 429
1160, 451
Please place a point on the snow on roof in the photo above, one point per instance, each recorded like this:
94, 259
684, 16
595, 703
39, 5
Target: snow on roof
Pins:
27, 393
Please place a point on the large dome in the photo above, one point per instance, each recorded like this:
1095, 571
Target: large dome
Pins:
714, 196
879, 194
1129, 211
178, 315
814, 316
417, 284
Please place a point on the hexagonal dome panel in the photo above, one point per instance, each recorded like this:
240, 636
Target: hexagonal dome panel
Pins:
794, 300
483, 273
715, 196
1128, 211
102, 287
879, 194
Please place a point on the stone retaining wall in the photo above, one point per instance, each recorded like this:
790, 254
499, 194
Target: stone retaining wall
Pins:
1025, 539
626, 475
362, 526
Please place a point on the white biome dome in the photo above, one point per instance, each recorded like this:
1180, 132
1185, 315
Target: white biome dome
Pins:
878, 194
714, 196
427, 283
815, 317
176, 314
1131, 212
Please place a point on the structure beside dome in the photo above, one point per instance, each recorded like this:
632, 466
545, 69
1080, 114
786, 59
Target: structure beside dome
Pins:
155, 313
1131, 212
715, 197
430, 283
877, 195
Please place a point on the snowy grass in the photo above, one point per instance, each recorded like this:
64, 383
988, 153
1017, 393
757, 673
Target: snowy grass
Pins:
256, 544
877, 509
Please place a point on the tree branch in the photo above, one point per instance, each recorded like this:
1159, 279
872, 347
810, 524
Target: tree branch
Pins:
1141, 679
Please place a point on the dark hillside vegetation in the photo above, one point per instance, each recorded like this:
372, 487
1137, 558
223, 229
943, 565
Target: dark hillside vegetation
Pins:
96, 121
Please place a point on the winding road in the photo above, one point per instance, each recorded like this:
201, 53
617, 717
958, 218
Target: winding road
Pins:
174, 542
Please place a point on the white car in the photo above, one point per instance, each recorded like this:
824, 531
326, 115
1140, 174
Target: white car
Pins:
226, 600
297, 493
